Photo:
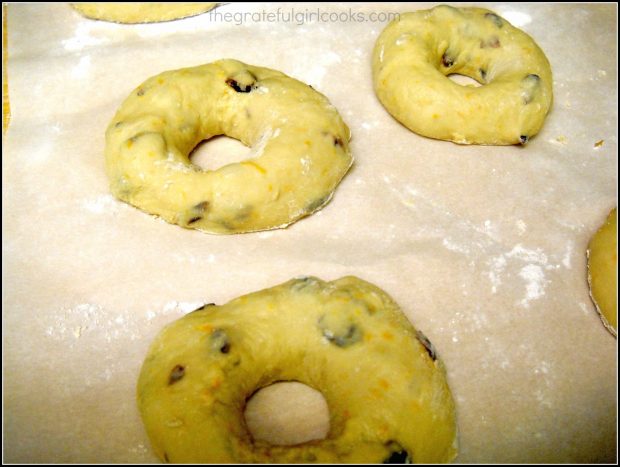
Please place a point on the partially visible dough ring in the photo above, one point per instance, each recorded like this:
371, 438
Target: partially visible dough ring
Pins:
300, 148
415, 53
384, 384
141, 12
603, 271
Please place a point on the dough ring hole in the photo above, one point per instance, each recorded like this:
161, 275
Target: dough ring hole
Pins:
287, 413
216, 152
463, 80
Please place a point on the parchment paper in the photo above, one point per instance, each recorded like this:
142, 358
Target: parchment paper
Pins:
483, 247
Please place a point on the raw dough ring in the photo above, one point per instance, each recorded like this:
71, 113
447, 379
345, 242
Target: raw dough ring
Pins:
300, 148
140, 12
415, 53
384, 385
603, 271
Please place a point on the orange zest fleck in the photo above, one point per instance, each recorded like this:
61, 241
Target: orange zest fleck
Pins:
206, 328
255, 165
387, 335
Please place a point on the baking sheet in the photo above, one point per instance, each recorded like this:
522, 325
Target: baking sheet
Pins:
483, 247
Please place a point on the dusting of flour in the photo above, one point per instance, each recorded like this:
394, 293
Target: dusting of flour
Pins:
532, 271
535, 283
521, 264
101, 204
93, 322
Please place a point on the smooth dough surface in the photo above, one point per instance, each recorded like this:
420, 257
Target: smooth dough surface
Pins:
603, 271
300, 148
141, 12
414, 55
384, 384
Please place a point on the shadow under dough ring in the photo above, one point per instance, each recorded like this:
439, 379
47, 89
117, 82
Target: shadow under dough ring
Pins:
140, 12
414, 55
300, 148
384, 384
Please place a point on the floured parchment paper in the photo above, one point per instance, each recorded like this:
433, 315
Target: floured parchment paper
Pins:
483, 247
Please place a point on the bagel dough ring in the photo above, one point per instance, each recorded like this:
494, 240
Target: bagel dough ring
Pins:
603, 271
384, 385
415, 53
300, 149
141, 12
